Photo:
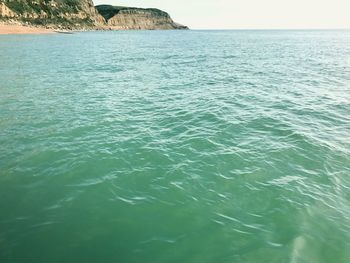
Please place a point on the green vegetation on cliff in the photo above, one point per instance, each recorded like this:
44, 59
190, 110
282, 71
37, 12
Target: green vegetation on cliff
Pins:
121, 17
66, 13
80, 14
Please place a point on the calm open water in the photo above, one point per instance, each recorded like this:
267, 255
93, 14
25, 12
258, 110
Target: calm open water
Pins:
177, 146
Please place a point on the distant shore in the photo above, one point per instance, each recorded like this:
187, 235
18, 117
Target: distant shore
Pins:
8, 29
18, 29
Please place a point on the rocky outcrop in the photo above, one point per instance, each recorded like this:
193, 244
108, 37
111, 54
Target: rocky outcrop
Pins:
6, 12
82, 14
126, 18
63, 13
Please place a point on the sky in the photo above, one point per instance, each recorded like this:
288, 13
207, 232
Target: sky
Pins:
250, 14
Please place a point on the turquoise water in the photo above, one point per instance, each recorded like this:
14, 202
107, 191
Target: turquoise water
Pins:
178, 146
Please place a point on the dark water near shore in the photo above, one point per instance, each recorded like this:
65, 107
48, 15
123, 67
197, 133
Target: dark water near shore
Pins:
178, 146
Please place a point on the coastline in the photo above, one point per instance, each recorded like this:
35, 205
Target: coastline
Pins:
20, 29
10, 29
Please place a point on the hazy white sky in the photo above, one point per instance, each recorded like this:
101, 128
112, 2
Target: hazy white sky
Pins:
231, 14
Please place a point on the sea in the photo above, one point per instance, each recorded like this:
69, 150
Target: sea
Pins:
175, 146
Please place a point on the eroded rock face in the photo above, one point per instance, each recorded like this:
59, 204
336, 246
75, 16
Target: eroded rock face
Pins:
6, 12
137, 18
82, 14
67, 13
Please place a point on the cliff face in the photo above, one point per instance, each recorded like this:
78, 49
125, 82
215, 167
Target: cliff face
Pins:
81, 14
5, 11
137, 18
65, 13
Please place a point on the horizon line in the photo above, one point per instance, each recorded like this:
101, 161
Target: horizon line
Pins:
315, 28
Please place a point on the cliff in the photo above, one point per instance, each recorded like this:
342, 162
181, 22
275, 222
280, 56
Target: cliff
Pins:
118, 17
75, 14
81, 14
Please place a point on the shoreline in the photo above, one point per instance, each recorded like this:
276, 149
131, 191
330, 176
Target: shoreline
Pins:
8, 29
18, 28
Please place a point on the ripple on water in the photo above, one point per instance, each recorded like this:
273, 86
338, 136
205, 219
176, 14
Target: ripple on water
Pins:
200, 146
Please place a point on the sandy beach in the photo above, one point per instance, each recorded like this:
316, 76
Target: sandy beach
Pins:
19, 29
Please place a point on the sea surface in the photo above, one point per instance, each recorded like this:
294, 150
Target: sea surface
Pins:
175, 146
